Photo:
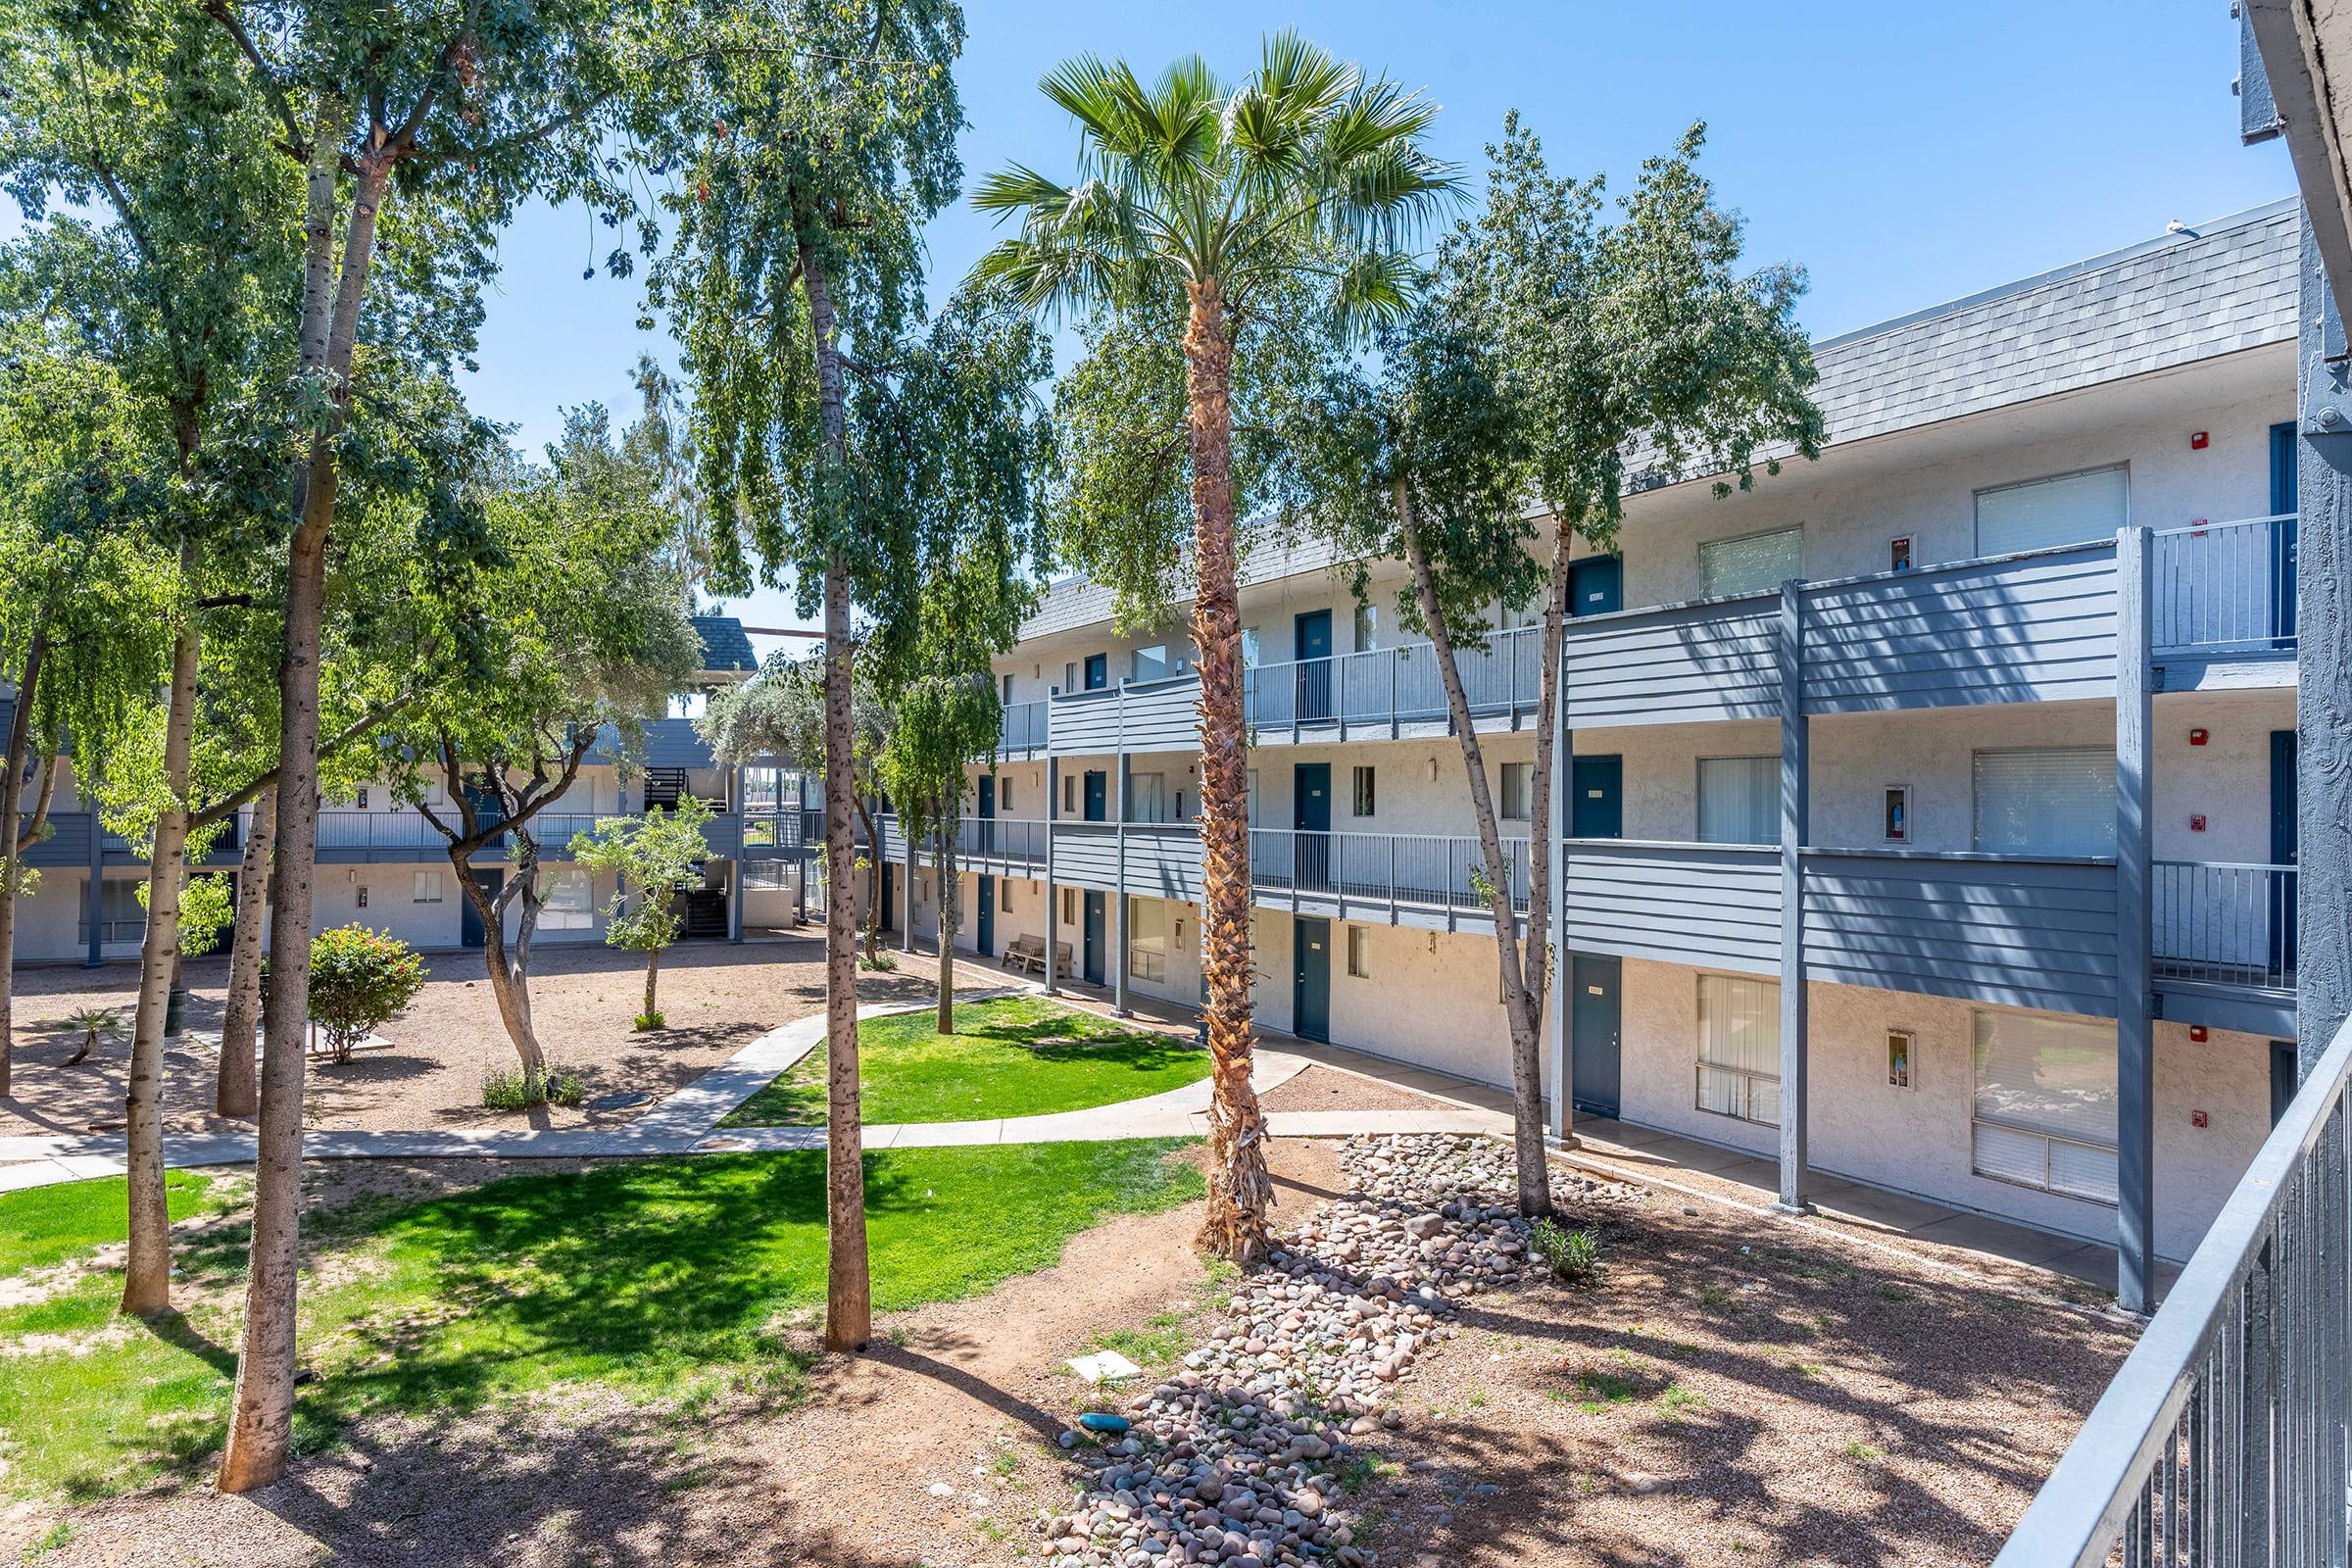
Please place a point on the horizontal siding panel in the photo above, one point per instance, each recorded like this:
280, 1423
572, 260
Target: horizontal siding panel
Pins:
68, 843
1708, 905
1088, 721
1691, 661
1086, 856
1162, 717
1164, 862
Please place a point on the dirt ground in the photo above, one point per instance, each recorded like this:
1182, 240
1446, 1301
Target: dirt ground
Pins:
1733, 1392
1334, 1089
719, 996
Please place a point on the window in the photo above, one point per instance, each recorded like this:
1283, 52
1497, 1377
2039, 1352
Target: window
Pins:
2055, 800
1360, 951
1005, 795
1008, 688
2068, 510
1149, 664
1069, 795
1740, 1048
1368, 627
434, 794
427, 888
1738, 800
1752, 564
1510, 618
1147, 939
1363, 791
1249, 646
1069, 906
1147, 797
1069, 678
2045, 1106
1518, 788
569, 905
1895, 821
1898, 1057
1097, 671
1004, 894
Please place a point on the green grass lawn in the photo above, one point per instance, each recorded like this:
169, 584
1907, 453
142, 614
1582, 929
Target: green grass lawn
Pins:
45, 1225
1012, 1056
659, 1276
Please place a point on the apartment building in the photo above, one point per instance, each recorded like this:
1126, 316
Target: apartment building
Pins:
381, 863
1843, 792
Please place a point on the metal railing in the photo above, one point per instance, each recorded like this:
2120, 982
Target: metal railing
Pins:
776, 828
2224, 923
378, 830
1426, 870
2222, 1440
1011, 839
1023, 727
2224, 588
1396, 685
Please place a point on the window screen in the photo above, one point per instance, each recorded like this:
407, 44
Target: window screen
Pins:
1150, 663
1739, 799
1364, 796
427, 888
2050, 801
2046, 1108
569, 906
1518, 789
1740, 1048
1147, 939
1755, 565
1359, 953
2070, 508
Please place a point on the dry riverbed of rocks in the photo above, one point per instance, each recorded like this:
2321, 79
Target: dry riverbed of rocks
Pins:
1248, 1455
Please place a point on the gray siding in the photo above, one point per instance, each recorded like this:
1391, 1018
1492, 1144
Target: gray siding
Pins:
1087, 855
1160, 714
1085, 721
1164, 862
2038, 627
2023, 933
68, 843
1713, 904
1713, 659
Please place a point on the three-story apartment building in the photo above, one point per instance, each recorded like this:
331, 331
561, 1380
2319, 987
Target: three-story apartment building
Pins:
1951, 776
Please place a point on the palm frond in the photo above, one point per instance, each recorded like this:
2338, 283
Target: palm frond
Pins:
1016, 189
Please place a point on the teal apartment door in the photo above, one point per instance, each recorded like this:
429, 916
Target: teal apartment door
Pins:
1097, 926
1598, 1028
1597, 798
1310, 978
984, 938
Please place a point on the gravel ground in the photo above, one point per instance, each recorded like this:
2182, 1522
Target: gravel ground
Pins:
1334, 1089
718, 998
1731, 1393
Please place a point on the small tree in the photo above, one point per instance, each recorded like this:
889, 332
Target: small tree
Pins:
655, 857
359, 980
945, 723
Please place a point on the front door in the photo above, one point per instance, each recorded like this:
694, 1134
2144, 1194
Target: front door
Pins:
1595, 585
469, 922
2286, 1076
1310, 814
2282, 534
1310, 978
1596, 1027
890, 881
1314, 645
1097, 796
988, 812
1597, 798
2286, 834
985, 935
1095, 927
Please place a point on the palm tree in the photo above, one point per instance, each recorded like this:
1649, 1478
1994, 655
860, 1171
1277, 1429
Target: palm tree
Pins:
1219, 196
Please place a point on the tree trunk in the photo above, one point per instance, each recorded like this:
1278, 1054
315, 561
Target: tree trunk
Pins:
508, 968
1239, 1187
653, 972
261, 1423
12, 840
849, 1283
1522, 981
951, 920
234, 1093
147, 1272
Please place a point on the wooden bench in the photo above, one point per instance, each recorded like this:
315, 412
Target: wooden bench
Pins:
1028, 954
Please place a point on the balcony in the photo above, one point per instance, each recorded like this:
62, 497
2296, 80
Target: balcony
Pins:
2225, 944
2224, 597
398, 836
1022, 732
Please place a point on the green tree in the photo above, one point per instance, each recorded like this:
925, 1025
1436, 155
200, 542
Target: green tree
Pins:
945, 723
1551, 345
575, 635
653, 859
359, 980
1201, 208
796, 286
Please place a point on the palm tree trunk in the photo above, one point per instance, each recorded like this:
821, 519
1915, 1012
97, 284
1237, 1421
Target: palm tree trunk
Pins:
849, 1282
1522, 981
13, 839
1239, 1187
147, 1270
234, 1093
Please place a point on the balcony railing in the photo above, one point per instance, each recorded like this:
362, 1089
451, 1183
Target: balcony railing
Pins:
1015, 841
2224, 923
2224, 588
1423, 870
1022, 729
1396, 685
2222, 1440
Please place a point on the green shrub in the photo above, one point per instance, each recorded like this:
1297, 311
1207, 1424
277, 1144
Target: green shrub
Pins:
649, 1020
1572, 1255
360, 979
513, 1088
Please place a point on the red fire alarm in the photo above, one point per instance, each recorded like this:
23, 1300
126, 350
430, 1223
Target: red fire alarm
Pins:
2196, 443
2196, 737
2197, 1032
2196, 823
2196, 1118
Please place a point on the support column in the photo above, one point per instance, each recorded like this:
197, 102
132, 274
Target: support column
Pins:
95, 901
2323, 665
1555, 918
735, 904
1119, 899
1052, 894
2134, 1025
1796, 790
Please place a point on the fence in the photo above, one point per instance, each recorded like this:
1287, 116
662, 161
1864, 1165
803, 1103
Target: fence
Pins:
2224, 923
2224, 588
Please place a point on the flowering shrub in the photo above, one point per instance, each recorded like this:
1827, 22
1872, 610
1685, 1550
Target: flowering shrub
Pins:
360, 979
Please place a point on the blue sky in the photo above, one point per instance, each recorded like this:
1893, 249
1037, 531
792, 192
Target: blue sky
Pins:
1903, 155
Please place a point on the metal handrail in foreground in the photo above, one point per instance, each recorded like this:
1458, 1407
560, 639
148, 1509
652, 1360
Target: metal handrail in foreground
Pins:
2223, 1437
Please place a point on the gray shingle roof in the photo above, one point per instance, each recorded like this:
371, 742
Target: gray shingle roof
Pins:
724, 646
2166, 302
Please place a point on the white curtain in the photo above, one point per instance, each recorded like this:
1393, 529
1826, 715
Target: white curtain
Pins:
1739, 799
2070, 508
1739, 1047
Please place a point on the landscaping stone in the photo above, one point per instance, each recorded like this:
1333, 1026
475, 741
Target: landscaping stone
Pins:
1237, 1457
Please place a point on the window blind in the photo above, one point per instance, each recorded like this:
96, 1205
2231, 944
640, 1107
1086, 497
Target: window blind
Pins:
1739, 799
2070, 509
1148, 939
2045, 1103
1759, 563
2055, 800
1740, 1048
